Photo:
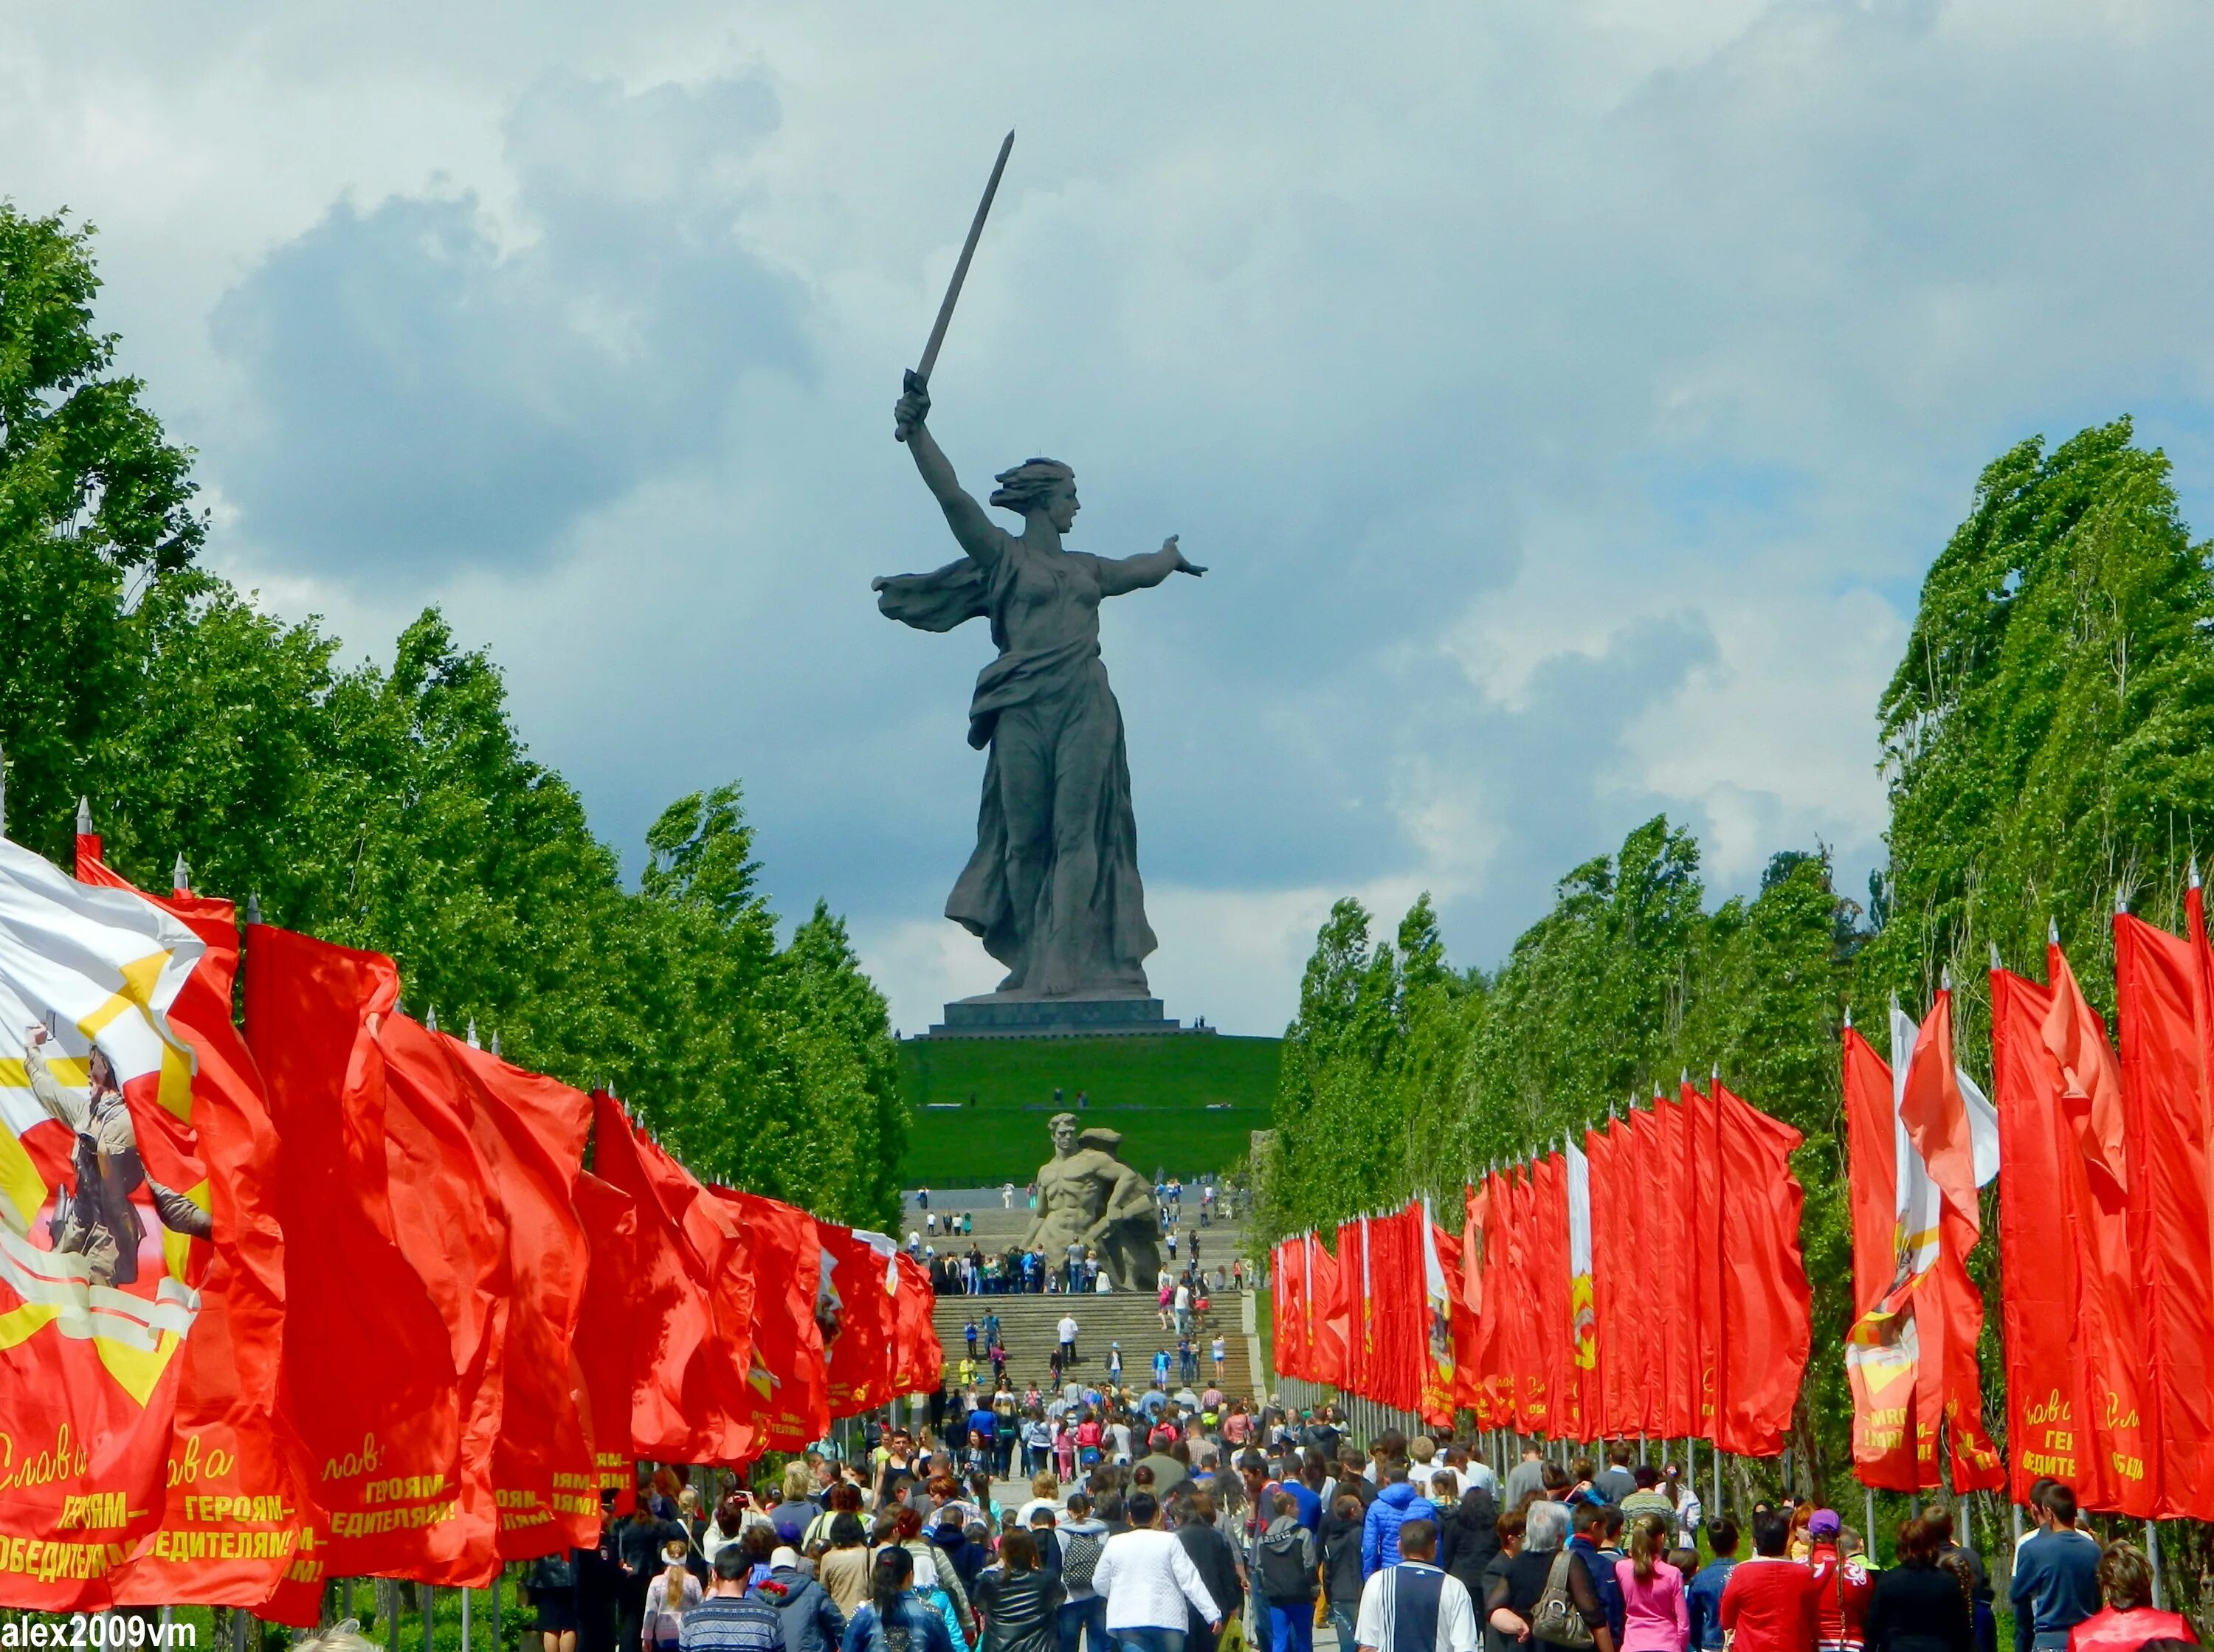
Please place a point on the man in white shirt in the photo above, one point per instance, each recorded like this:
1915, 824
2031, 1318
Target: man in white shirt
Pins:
1413, 1606
1067, 1340
1146, 1578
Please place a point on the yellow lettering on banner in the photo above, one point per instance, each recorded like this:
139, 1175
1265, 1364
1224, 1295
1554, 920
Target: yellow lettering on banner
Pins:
2050, 1409
93, 1508
365, 1461
66, 1461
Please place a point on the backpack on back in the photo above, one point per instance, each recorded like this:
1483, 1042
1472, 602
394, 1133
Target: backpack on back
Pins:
1284, 1576
1079, 1556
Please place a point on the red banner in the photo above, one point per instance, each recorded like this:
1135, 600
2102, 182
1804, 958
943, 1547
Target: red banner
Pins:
1674, 1281
789, 1376
1880, 1358
2073, 1352
543, 1478
863, 1279
623, 1308
452, 1225
1706, 1283
1766, 1303
1329, 1288
920, 1362
2159, 997
675, 1416
371, 1390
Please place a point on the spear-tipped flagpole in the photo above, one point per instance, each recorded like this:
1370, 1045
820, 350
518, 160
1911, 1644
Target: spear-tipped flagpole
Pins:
180, 876
83, 817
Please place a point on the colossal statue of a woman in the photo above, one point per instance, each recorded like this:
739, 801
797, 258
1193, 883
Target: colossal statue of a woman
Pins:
1053, 888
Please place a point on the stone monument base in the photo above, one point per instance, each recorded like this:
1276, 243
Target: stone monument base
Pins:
992, 1016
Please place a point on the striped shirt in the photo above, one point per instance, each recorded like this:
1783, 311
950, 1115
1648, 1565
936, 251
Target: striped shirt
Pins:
727, 1622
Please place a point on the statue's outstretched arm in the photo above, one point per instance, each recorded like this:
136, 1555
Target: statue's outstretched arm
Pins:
971, 527
1120, 574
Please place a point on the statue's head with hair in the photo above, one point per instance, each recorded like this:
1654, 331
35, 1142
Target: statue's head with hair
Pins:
1039, 485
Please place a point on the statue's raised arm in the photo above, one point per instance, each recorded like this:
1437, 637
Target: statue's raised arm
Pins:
972, 528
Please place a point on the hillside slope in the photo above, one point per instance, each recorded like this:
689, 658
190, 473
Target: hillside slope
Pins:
1184, 1105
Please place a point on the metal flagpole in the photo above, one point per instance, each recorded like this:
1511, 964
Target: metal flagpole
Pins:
2152, 1553
1867, 1496
465, 1622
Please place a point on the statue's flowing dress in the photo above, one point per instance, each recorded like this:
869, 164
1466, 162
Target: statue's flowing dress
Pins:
1056, 697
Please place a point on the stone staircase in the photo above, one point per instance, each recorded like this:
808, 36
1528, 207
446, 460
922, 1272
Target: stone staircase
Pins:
1029, 1324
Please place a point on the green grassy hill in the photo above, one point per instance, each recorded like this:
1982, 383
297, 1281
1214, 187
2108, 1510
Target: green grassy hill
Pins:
1184, 1105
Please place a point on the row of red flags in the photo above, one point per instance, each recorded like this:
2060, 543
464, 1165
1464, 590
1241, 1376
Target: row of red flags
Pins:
2106, 1236
409, 1334
1646, 1281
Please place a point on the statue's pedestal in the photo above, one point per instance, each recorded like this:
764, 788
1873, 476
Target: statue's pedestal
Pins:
992, 1016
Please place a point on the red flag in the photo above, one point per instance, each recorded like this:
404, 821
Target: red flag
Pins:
1615, 1279
862, 1279
1451, 1327
543, 1476
1694, 1143
452, 1225
1411, 1289
920, 1363
1356, 1272
2164, 1088
721, 1256
1881, 1359
1680, 1374
676, 1415
620, 1293
235, 1516
1702, 1190
1327, 1275
1476, 1217
368, 1369
2073, 1350
1641, 1212
1287, 1307
789, 1376
1935, 1117
1549, 1277
1766, 1303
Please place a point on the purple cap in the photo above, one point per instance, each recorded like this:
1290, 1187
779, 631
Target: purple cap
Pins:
1825, 1523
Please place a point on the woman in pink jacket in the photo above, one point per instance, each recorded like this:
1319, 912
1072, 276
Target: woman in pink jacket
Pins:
1654, 1616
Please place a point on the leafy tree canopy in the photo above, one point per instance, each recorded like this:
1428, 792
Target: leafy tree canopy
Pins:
398, 810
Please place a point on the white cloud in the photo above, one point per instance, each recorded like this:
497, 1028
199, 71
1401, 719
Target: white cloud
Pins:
1567, 396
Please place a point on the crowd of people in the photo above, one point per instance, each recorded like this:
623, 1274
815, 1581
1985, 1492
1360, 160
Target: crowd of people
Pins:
1162, 1526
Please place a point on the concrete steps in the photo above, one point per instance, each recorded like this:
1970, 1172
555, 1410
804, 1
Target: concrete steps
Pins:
1030, 1328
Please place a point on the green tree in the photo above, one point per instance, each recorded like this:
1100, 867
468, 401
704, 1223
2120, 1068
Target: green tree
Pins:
94, 505
399, 810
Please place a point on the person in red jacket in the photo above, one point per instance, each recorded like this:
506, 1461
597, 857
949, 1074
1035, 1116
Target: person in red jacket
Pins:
1842, 1586
1768, 1606
2128, 1620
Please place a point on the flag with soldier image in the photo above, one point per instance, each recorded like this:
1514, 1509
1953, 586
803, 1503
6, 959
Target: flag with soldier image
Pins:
104, 1225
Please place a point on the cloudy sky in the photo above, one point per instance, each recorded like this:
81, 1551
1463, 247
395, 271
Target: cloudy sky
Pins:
1565, 394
